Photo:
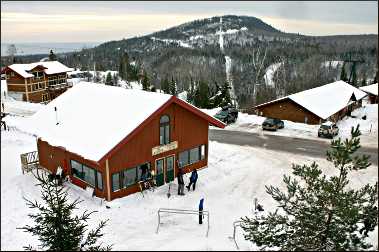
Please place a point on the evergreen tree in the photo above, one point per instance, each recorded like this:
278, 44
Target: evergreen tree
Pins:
343, 75
363, 82
320, 212
200, 95
108, 79
122, 70
165, 86
225, 94
354, 81
54, 223
145, 82
173, 87
52, 56
375, 78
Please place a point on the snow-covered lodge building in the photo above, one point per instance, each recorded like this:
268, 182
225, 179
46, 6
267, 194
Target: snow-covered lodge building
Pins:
313, 106
372, 91
103, 136
36, 82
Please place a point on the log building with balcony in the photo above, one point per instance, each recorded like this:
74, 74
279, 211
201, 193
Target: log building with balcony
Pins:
36, 82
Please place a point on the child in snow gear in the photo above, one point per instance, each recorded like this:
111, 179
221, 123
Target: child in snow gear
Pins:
180, 183
201, 204
193, 180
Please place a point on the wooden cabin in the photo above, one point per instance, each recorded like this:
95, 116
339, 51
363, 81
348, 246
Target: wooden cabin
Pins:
36, 82
330, 102
372, 92
104, 136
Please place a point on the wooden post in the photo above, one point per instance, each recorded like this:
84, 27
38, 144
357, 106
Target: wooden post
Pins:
26, 90
108, 180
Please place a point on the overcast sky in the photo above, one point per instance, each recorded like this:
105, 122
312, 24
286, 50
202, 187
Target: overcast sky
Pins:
102, 21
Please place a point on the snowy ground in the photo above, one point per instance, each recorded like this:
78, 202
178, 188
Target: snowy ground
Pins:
369, 127
234, 177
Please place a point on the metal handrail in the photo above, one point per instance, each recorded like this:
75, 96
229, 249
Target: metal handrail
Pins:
181, 211
235, 225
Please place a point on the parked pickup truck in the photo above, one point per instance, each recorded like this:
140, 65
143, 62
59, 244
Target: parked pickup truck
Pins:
228, 114
328, 129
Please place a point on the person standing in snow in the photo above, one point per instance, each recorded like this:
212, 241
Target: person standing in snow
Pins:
180, 183
193, 180
201, 205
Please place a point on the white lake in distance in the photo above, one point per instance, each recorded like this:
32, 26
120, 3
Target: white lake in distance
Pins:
44, 48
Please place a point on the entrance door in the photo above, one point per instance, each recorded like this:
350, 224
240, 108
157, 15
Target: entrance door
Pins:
159, 164
170, 164
165, 170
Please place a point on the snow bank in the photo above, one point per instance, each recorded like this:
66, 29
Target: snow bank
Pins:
234, 177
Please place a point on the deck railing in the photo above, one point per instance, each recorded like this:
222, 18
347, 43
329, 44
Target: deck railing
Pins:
29, 161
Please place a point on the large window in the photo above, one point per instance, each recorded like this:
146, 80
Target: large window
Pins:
191, 156
164, 130
129, 176
87, 174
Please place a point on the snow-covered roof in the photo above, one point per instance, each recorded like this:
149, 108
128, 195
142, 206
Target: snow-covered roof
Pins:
94, 118
372, 89
52, 67
326, 100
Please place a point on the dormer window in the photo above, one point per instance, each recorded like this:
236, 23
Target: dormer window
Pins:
164, 130
38, 74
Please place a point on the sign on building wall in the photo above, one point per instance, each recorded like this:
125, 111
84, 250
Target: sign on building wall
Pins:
163, 148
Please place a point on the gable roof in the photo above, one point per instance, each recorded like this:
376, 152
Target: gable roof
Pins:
95, 119
371, 89
326, 100
51, 67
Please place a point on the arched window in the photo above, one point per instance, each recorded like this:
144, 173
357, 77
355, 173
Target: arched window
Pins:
164, 130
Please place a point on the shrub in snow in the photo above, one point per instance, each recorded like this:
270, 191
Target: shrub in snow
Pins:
319, 212
56, 226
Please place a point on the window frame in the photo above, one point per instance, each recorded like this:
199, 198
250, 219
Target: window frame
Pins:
165, 125
82, 178
121, 176
199, 153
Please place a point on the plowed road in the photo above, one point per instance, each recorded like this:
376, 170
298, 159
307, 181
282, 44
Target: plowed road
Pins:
306, 147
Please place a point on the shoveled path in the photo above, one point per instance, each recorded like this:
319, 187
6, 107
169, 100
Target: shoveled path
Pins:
306, 147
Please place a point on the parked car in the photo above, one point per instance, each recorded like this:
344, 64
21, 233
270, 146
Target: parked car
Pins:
272, 124
227, 114
328, 129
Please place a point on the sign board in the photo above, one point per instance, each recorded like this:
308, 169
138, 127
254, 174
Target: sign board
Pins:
163, 148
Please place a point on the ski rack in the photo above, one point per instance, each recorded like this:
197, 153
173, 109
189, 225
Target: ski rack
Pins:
181, 211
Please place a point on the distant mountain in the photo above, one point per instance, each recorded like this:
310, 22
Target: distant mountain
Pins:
242, 53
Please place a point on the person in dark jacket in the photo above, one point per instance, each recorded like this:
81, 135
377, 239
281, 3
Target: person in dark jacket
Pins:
193, 180
201, 205
180, 183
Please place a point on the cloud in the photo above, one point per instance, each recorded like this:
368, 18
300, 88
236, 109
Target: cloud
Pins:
101, 21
